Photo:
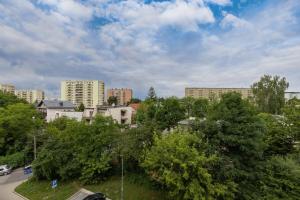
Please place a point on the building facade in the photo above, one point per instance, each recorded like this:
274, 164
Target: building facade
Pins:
291, 95
121, 114
124, 95
7, 88
31, 96
210, 93
53, 109
88, 92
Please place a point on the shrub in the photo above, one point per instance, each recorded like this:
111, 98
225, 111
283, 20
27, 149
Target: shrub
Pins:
14, 160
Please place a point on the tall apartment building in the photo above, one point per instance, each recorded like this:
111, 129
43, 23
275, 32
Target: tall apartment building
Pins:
88, 92
7, 88
124, 95
209, 93
31, 96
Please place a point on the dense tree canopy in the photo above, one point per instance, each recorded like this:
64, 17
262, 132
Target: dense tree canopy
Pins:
269, 93
178, 163
16, 125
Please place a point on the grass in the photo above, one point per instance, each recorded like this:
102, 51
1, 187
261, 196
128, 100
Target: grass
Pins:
41, 190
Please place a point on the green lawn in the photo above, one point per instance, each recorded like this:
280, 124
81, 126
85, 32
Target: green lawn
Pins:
40, 190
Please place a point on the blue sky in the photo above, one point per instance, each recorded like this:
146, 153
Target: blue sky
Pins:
137, 44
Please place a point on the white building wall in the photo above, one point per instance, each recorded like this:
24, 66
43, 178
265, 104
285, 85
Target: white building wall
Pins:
53, 114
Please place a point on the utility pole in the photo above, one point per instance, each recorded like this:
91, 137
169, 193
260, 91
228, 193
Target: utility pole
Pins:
122, 179
34, 143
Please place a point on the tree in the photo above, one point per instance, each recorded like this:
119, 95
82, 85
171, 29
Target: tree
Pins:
76, 149
112, 100
200, 108
281, 179
236, 133
292, 112
169, 113
176, 163
151, 94
135, 100
187, 104
16, 125
9, 99
269, 93
279, 138
81, 107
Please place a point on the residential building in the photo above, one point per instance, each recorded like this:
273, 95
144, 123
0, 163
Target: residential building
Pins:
209, 93
31, 96
124, 95
7, 88
121, 114
291, 95
88, 92
53, 109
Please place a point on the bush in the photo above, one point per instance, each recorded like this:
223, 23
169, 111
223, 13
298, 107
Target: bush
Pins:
14, 160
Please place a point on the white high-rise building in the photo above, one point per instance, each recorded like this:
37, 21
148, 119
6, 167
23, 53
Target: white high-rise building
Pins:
88, 92
31, 96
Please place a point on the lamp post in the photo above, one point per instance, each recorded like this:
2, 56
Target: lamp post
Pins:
34, 142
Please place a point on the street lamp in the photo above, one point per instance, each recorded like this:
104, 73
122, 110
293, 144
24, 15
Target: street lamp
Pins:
34, 142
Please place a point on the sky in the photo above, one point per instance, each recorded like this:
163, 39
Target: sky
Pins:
136, 44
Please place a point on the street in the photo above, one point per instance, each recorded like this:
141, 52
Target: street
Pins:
9, 183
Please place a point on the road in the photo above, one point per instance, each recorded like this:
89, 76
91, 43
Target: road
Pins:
8, 184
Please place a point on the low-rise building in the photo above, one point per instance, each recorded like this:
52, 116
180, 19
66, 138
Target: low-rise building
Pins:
31, 96
121, 114
210, 93
8, 88
53, 109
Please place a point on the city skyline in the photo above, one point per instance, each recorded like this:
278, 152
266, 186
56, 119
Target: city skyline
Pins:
169, 45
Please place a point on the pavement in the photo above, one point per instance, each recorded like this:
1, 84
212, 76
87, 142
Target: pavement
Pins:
9, 182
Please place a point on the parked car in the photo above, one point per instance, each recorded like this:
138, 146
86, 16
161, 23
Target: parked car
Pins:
27, 169
5, 169
96, 196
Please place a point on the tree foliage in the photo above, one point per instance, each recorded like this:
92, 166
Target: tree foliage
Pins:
177, 162
79, 150
269, 93
9, 99
16, 125
236, 133
112, 100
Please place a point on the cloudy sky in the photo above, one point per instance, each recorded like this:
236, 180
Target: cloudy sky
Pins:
166, 44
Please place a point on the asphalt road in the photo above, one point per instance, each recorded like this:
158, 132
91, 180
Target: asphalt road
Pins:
8, 184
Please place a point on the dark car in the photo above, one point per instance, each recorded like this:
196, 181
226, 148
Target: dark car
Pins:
96, 196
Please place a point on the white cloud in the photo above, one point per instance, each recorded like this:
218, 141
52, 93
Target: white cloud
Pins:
230, 20
138, 49
220, 2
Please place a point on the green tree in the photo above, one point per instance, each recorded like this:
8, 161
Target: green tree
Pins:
169, 113
8, 99
112, 100
281, 179
200, 108
292, 113
16, 125
176, 162
76, 149
279, 137
135, 100
81, 107
236, 133
151, 94
269, 93
187, 104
